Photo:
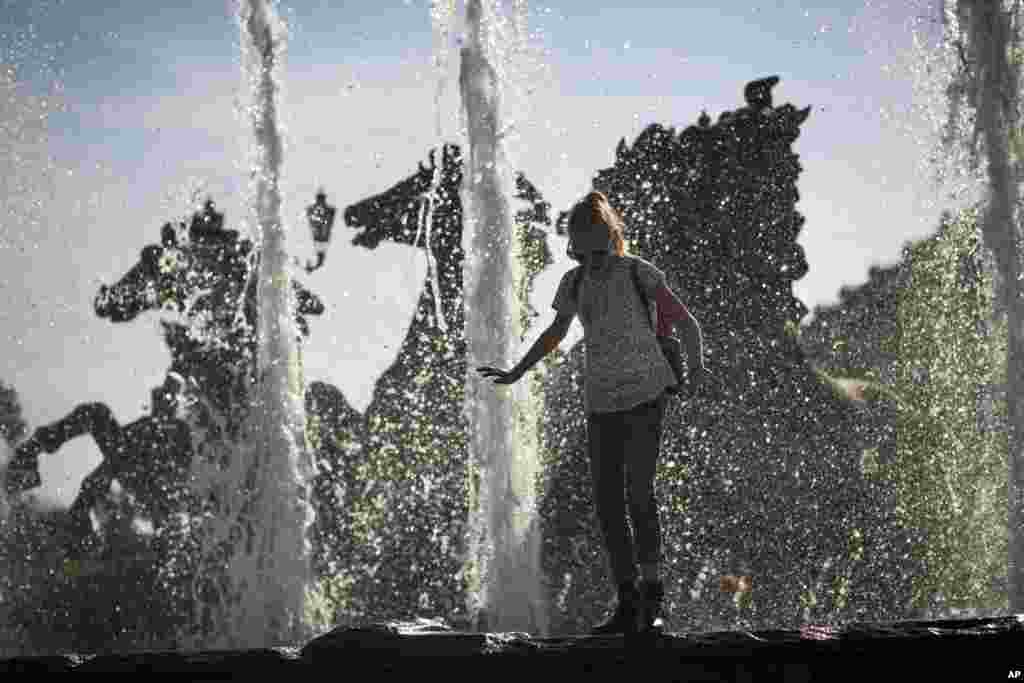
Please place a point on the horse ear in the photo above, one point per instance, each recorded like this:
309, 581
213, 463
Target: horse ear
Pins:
621, 149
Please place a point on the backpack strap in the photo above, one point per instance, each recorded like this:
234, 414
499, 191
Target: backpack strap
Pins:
643, 294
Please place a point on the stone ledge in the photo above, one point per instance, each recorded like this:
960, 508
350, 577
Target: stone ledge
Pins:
424, 649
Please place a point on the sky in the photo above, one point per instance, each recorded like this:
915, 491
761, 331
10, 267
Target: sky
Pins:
115, 117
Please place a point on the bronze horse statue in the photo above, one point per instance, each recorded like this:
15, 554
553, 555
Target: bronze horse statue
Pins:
148, 457
201, 267
207, 274
415, 448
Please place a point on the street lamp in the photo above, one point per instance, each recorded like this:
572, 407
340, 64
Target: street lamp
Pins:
321, 219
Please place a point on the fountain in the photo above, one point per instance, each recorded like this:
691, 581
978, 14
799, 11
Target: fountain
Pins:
253, 551
833, 555
508, 552
987, 36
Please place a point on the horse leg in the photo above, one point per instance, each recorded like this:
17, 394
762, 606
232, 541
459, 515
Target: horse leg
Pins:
95, 418
88, 418
95, 486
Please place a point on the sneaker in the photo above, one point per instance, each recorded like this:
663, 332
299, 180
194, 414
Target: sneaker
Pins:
624, 619
651, 595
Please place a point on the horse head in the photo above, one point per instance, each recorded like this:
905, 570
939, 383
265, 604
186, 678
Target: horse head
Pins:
199, 268
398, 214
197, 265
425, 210
136, 291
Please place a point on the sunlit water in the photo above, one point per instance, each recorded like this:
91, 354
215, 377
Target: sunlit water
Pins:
966, 73
253, 542
990, 39
505, 540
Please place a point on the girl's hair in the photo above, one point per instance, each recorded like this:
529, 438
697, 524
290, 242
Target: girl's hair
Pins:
594, 212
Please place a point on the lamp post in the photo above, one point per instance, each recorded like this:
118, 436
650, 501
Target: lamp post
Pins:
321, 219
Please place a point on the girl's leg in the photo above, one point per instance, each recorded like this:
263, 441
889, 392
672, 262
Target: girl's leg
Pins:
643, 444
605, 449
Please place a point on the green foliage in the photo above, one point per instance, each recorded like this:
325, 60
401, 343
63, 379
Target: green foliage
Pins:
923, 338
531, 256
949, 468
326, 600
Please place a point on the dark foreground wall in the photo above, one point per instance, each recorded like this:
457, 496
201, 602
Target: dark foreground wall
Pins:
976, 650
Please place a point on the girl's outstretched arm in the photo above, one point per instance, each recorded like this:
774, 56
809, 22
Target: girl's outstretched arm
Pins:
547, 342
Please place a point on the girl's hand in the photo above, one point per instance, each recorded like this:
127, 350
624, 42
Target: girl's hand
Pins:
500, 376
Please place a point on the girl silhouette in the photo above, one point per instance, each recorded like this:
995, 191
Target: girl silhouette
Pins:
626, 378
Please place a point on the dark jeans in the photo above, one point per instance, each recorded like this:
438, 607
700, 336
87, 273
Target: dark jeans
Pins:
625, 445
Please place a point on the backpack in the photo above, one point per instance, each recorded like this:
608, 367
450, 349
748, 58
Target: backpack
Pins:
670, 345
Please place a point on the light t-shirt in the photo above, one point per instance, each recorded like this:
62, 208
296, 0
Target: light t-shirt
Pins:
625, 365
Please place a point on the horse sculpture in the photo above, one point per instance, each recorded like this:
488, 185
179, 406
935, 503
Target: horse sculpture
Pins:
210, 278
415, 454
207, 274
200, 268
386, 479
149, 457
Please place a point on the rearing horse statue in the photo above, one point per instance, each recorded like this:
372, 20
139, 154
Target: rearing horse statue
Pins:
207, 275
149, 458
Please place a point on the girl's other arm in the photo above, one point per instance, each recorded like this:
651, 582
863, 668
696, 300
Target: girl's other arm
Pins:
676, 314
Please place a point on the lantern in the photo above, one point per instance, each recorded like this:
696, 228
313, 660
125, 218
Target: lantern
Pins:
321, 219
